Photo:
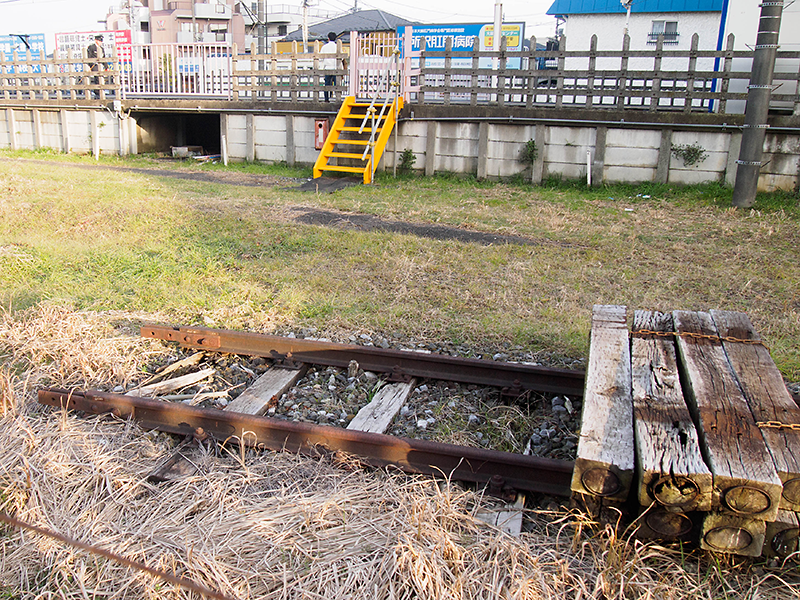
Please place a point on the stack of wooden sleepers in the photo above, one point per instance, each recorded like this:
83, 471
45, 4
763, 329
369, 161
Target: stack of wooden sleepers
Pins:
687, 419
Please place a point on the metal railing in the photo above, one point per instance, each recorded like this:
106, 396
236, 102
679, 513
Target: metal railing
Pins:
384, 90
175, 70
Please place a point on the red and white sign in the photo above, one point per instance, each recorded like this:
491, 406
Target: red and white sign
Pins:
77, 41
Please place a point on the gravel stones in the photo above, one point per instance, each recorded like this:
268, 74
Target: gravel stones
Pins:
467, 415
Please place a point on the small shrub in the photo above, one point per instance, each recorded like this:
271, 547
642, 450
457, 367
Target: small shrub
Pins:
407, 160
691, 154
529, 152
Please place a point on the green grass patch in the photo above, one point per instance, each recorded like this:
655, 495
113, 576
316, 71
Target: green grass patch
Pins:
116, 239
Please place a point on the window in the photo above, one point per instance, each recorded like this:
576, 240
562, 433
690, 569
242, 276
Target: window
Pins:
669, 29
144, 26
282, 29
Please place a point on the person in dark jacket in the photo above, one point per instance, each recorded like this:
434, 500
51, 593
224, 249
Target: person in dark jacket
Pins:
95, 50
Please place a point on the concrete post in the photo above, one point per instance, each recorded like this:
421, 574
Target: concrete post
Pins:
664, 156
65, 131
599, 162
38, 142
12, 129
291, 153
540, 138
430, 148
251, 141
734, 147
483, 149
758, 95
95, 128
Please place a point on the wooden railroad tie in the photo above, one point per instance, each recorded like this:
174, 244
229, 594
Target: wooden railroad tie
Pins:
717, 440
604, 465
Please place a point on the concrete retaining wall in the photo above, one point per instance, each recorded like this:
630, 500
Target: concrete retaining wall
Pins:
616, 152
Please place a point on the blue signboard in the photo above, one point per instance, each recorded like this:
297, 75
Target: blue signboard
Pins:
21, 44
463, 38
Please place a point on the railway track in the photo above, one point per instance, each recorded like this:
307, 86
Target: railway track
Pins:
504, 473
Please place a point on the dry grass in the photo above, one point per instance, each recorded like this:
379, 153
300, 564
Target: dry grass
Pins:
279, 525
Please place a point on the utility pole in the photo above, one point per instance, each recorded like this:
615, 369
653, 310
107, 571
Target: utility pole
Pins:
305, 26
498, 25
130, 21
262, 27
758, 95
626, 4
195, 35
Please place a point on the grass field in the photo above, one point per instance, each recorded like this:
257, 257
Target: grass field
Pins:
235, 256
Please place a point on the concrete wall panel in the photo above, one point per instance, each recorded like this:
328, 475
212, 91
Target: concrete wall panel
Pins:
631, 157
570, 136
633, 138
628, 174
686, 177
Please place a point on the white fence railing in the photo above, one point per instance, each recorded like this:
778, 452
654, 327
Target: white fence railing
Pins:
176, 70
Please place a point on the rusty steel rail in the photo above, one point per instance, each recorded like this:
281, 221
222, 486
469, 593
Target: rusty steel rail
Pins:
503, 470
399, 364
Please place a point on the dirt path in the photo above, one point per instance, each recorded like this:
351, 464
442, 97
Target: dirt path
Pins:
321, 217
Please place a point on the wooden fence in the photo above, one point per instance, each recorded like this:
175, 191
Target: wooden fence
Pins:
653, 79
70, 78
690, 80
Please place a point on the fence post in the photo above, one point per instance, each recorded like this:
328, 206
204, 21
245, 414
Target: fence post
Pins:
687, 103
656, 89
622, 82
421, 95
758, 95
354, 58
726, 77
448, 61
407, 49
474, 78
501, 72
531, 74
562, 47
592, 67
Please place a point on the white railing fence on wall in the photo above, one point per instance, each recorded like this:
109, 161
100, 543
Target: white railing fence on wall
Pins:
175, 70
381, 65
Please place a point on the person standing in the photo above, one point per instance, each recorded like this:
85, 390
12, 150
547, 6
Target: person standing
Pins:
329, 64
95, 50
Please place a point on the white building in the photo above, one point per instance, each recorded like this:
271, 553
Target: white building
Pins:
678, 21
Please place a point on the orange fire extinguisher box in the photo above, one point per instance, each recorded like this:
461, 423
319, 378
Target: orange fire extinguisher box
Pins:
320, 133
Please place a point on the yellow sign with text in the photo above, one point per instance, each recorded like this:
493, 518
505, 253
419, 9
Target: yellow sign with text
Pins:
512, 33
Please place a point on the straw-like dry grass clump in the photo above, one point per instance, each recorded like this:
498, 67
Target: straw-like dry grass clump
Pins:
277, 525
56, 346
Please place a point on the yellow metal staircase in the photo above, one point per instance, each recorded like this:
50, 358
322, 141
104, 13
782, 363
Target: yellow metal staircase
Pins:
358, 137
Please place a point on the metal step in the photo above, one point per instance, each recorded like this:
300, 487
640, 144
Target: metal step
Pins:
343, 169
346, 155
